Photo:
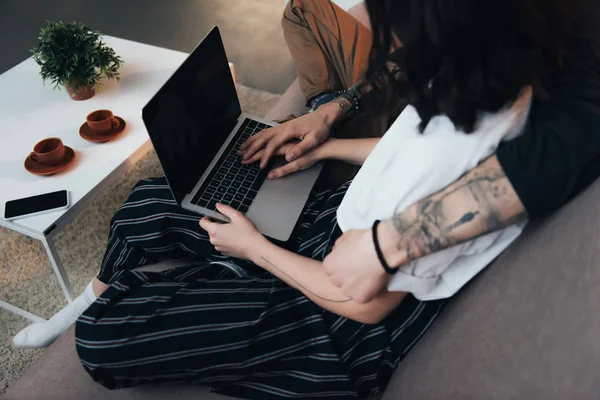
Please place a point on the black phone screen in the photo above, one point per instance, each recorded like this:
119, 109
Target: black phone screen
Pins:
35, 204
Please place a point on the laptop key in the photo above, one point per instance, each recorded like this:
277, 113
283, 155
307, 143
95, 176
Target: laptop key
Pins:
246, 184
203, 203
239, 178
221, 189
231, 190
251, 194
211, 189
247, 202
235, 204
242, 191
234, 170
236, 184
230, 158
206, 196
227, 164
252, 124
257, 184
243, 208
222, 170
229, 177
238, 197
196, 198
226, 183
212, 205
227, 197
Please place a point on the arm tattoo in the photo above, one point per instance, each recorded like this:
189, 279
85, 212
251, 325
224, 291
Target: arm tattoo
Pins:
343, 103
480, 202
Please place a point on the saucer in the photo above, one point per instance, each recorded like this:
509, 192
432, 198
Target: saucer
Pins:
88, 134
37, 168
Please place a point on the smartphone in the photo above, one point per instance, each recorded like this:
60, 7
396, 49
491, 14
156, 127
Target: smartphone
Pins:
36, 205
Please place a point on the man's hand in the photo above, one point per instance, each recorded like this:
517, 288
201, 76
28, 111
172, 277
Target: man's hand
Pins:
309, 130
299, 164
353, 266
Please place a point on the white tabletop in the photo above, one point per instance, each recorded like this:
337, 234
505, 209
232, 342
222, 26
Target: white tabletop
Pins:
30, 112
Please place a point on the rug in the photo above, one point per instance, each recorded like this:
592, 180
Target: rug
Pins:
26, 276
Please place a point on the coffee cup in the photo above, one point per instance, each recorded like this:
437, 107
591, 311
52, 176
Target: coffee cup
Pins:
49, 152
101, 121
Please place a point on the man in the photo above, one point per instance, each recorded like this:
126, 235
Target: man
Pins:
556, 157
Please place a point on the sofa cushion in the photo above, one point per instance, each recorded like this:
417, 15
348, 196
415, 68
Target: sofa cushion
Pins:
527, 328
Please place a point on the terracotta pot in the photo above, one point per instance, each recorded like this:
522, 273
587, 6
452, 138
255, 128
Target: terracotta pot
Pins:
83, 94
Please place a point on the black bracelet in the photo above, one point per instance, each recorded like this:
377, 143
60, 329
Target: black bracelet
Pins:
384, 264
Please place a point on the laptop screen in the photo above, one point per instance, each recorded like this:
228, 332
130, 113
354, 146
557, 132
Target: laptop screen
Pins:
192, 115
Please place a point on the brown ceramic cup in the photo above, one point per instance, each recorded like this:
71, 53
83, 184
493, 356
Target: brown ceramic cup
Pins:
101, 121
49, 152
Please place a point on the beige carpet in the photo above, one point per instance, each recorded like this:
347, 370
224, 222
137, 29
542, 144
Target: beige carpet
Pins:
26, 277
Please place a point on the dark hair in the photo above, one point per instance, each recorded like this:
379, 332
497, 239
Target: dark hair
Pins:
460, 57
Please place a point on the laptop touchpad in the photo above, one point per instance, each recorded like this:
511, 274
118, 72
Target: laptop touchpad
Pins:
280, 202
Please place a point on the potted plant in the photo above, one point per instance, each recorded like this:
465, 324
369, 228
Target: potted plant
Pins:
72, 55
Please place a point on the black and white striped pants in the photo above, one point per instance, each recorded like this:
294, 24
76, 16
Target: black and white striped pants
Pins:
227, 323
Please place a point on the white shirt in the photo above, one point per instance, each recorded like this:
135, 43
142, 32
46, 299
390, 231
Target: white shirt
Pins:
407, 166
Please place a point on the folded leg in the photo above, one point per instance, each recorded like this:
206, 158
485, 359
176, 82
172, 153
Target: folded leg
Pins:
151, 227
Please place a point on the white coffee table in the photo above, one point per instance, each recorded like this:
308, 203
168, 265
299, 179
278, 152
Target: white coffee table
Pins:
30, 112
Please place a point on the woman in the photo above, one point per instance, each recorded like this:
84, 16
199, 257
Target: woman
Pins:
275, 326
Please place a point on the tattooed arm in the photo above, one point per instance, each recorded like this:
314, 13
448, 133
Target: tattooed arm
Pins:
480, 202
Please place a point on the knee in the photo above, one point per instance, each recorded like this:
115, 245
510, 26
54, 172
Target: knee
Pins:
96, 362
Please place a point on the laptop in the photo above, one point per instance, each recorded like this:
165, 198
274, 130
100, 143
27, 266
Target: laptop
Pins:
196, 125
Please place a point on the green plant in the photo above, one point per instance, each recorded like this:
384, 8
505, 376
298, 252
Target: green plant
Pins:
70, 53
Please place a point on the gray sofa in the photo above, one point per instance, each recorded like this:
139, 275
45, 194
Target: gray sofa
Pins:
526, 328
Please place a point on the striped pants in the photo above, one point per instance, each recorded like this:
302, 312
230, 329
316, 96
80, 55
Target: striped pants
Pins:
226, 323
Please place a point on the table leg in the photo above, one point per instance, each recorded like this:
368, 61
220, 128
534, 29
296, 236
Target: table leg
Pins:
59, 269
21, 312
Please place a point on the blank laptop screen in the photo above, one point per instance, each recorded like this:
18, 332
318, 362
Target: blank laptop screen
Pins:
192, 115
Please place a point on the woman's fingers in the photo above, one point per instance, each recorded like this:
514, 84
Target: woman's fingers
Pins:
227, 211
207, 225
303, 147
287, 169
273, 146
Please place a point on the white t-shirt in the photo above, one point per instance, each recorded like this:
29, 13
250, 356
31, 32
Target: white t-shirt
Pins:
407, 166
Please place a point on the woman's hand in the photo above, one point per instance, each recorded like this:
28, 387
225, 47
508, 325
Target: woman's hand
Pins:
311, 130
306, 161
238, 238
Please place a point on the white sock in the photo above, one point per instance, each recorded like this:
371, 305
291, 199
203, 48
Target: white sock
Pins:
42, 334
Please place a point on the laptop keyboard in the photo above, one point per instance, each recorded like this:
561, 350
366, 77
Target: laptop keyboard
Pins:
231, 182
